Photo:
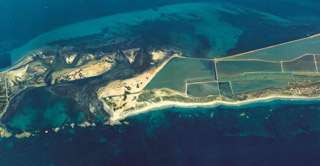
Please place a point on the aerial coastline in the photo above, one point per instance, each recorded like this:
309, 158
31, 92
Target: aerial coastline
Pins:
162, 106
213, 104
104, 77
291, 89
123, 98
169, 82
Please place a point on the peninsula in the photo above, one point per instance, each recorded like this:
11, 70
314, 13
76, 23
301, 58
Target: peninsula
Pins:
137, 80
284, 71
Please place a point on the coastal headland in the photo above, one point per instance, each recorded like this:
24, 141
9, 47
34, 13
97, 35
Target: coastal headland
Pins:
116, 80
200, 82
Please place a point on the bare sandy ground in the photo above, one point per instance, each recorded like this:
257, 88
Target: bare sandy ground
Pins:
117, 87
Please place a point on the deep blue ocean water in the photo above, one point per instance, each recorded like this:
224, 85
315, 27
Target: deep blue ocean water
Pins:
269, 133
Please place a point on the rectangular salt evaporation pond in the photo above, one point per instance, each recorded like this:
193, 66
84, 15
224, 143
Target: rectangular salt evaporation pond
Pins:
259, 76
225, 89
178, 70
247, 86
284, 52
199, 80
305, 77
203, 89
317, 56
236, 68
303, 64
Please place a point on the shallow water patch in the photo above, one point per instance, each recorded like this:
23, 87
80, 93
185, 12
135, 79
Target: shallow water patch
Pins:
41, 109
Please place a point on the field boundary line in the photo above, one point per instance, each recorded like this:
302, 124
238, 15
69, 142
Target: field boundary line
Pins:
231, 88
186, 89
202, 82
310, 37
217, 76
268, 61
315, 63
242, 60
204, 59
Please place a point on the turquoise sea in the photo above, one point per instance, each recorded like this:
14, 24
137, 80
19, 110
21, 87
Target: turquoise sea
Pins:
274, 133
208, 28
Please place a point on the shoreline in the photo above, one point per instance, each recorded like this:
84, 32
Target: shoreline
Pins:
212, 104
22, 61
161, 106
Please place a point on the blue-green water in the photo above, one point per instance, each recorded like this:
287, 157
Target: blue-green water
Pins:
208, 28
279, 132
268, 133
271, 133
40, 109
